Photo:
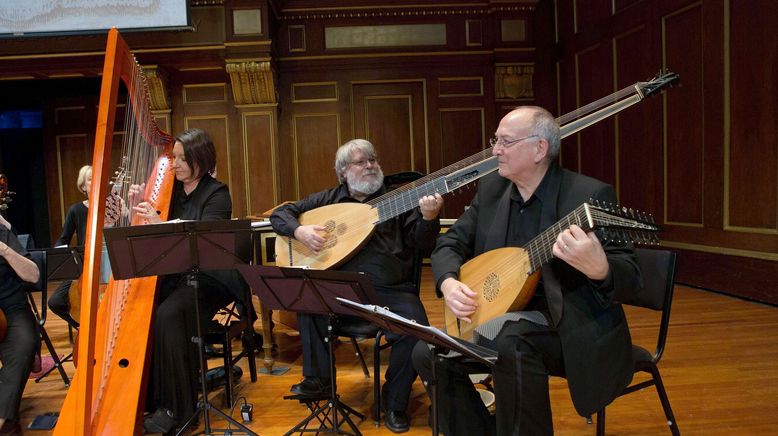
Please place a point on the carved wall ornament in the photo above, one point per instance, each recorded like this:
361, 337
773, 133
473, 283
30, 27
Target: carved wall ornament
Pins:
158, 82
252, 82
513, 81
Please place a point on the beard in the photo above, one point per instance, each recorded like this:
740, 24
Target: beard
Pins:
367, 186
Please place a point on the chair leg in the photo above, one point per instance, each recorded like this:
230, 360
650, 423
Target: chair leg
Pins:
249, 347
377, 381
228, 391
601, 422
361, 357
660, 390
54, 356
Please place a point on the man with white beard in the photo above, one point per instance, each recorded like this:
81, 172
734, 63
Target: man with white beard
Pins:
387, 260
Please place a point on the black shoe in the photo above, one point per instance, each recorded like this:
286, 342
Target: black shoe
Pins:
217, 377
312, 386
161, 421
397, 421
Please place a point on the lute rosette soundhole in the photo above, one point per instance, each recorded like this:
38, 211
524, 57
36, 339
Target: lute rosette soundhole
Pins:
491, 287
331, 239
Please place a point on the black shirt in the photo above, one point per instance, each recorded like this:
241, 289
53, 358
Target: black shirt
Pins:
524, 220
75, 222
388, 257
11, 286
210, 200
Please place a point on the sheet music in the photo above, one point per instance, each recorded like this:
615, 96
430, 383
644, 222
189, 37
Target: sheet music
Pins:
260, 224
483, 354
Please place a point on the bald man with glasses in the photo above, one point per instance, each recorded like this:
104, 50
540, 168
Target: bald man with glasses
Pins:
572, 327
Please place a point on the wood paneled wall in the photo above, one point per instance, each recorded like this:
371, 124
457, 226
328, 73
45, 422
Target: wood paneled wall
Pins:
703, 158
427, 84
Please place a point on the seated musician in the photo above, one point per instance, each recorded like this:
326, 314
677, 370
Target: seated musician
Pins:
573, 326
75, 223
21, 342
387, 260
172, 387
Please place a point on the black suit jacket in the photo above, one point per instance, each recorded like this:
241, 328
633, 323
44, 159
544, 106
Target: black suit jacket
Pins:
592, 327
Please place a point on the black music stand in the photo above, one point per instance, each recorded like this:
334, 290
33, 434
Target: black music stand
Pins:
183, 247
313, 291
440, 341
64, 263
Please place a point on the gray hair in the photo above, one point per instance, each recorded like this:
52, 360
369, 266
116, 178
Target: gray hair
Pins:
343, 155
546, 127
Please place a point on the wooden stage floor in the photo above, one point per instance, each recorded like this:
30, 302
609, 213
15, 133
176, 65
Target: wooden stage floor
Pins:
720, 369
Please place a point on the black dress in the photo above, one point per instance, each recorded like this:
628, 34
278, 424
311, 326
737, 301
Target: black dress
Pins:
174, 366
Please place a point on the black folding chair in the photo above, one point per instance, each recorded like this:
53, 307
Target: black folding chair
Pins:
39, 257
658, 271
238, 322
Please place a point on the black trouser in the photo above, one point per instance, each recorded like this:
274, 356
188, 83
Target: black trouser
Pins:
59, 302
528, 354
399, 375
17, 352
175, 360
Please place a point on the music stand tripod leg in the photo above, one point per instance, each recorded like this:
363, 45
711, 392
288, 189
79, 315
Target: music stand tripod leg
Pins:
434, 390
334, 404
204, 405
337, 406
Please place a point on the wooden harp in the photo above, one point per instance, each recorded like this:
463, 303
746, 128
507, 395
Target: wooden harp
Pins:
107, 397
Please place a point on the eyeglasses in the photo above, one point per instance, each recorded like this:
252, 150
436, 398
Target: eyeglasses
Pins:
363, 163
508, 144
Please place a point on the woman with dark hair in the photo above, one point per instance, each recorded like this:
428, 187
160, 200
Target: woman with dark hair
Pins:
174, 367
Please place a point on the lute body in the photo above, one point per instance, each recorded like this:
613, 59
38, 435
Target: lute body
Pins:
505, 278
347, 228
501, 280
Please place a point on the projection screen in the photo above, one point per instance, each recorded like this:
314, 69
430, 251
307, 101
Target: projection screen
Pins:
20, 18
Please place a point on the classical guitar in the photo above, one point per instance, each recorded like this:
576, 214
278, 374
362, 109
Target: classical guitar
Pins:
350, 225
505, 278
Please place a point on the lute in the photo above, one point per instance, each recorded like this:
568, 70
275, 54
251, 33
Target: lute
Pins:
348, 226
505, 278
